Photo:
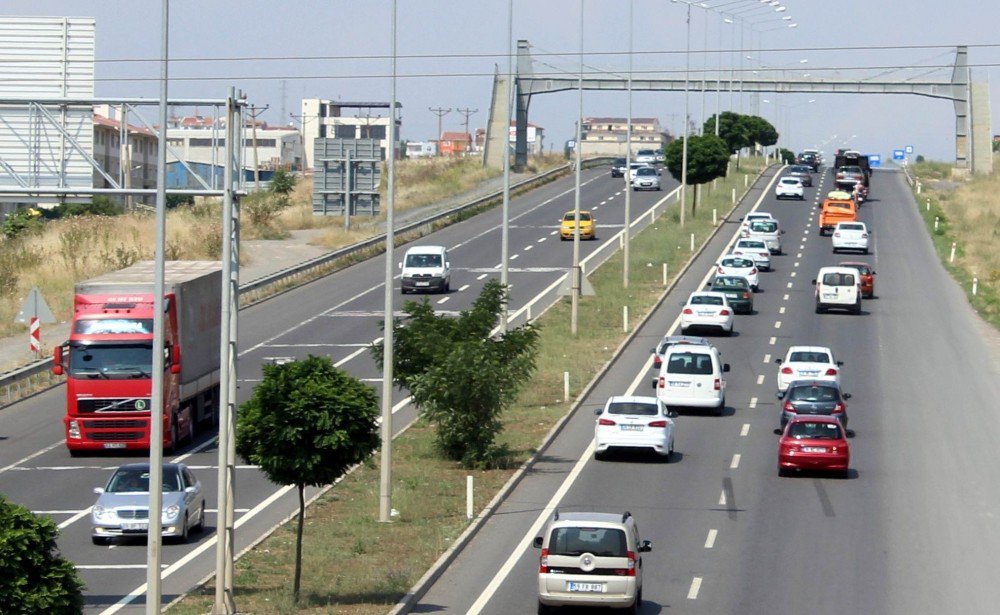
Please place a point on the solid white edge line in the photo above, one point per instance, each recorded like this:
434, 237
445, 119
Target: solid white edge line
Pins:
710, 539
31, 456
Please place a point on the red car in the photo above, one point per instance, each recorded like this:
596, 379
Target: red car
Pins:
811, 442
867, 276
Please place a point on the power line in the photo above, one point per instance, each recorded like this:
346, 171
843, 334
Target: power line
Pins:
440, 112
467, 113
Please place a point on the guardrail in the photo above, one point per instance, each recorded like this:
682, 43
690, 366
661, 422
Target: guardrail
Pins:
29, 378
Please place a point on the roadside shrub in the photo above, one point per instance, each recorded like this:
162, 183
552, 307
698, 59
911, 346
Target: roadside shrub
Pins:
282, 182
99, 206
262, 209
22, 222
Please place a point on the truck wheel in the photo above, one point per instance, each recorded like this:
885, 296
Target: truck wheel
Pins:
173, 437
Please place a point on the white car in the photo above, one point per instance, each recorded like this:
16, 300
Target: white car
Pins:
635, 166
757, 215
789, 187
838, 287
768, 232
707, 309
646, 178
808, 363
692, 375
634, 423
754, 249
850, 236
741, 266
646, 156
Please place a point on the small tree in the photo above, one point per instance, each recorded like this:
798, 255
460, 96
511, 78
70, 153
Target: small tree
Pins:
787, 156
461, 377
282, 182
708, 158
759, 130
306, 424
34, 578
731, 130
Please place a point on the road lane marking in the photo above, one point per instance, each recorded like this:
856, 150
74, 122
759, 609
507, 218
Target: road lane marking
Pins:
792, 274
194, 451
359, 351
442, 300
777, 324
114, 566
781, 310
767, 358
745, 431
735, 463
799, 255
710, 541
466, 286
785, 298
802, 247
773, 340
526, 248
31, 456
68, 522
553, 232
482, 276
796, 264
541, 240
753, 403
513, 258
722, 498
695, 588
789, 285
760, 379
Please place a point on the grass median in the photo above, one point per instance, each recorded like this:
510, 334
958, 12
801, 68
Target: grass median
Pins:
354, 565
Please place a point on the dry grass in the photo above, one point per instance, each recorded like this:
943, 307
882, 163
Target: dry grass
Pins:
355, 566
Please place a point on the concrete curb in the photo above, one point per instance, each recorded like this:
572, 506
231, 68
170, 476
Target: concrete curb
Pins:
448, 557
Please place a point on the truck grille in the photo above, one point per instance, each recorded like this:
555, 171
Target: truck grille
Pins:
115, 436
133, 513
115, 424
88, 405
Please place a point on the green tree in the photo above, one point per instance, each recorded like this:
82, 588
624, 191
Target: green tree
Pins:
732, 130
759, 131
461, 376
100, 205
787, 156
23, 221
708, 158
34, 578
282, 182
307, 423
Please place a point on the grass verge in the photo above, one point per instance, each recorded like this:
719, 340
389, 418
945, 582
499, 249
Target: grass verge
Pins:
967, 215
356, 566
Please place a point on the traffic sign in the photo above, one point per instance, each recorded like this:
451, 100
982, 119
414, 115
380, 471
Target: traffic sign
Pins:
898, 154
34, 306
909, 149
875, 160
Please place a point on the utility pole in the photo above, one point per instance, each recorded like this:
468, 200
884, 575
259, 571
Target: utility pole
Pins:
254, 112
467, 113
440, 112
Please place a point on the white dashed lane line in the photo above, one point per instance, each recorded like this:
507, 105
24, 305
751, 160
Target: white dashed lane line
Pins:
482, 276
767, 358
710, 540
544, 238
781, 310
760, 379
785, 298
528, 248
799, 255
444, 300
777, 324
772, 341
795, 264
695, 588
791, 275
553, 232
753, 403
789, 285
513, 257
722, 498
745, 431
465, 287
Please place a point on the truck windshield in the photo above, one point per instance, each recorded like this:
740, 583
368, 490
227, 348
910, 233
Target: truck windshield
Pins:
111, 361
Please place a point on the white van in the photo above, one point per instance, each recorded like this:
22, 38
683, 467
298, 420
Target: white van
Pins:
426, 268
838, 288
766, 231
691, 375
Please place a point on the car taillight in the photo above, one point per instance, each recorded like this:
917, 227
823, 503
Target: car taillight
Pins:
718, 384
723, 312
719, 270
605, 422
753, 271
543, 562
789, 407
746, 295
630, 571
657, 362
658, 423
831, 372
662, 383
764, 254
839, 408
687, 311
786, 370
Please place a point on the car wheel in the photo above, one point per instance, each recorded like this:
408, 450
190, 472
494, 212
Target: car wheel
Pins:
185, 531
99, 540
857, 307
782, 472
865, 251
200, 527
447, 286
544, 609
819, 310
722, 408
600, 456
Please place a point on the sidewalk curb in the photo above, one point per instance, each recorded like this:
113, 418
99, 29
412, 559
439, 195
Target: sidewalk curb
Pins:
421, 587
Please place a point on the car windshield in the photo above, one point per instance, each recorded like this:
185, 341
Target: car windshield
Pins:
633, 407
706, 300
584, 217
814, 393
619, 162
136, 480
763, 226
727, 282
737, 263
423, 260
646, 171
599, 541
689, 363
646, 152
838, 279
809, 357
814, 431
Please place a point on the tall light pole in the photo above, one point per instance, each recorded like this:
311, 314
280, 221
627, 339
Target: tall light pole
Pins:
505, 223
628, 155
385, 476
687, 112
576, 282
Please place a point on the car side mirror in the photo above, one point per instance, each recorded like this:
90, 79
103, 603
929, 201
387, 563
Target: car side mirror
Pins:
847, 396
840, 363
98, 490
725, 367
780, 394
537, 542
873, 272
782, 232
645, 547
849, 433
777, 431
779, 361
672, 414
597, 411
191, 489
654, 383
813, 282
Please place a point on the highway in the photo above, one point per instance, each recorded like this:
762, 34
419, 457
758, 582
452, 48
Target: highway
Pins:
336, 316
914, 529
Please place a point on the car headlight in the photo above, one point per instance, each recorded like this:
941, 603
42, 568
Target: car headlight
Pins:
100, 512
171, 511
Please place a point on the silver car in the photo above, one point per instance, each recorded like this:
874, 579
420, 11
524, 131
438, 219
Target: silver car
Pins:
123, 506
646, 178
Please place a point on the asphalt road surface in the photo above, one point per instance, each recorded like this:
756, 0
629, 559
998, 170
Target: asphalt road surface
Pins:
337, 316
914, 529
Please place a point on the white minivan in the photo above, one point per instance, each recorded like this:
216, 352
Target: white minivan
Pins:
766, 231
838, 288
426, 268
691, 375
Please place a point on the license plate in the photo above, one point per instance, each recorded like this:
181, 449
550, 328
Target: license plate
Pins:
114, 445
678, 383
829, 295
705, 313
423, 283
809, 372
573, 586
631, 427
813, 449
136, 526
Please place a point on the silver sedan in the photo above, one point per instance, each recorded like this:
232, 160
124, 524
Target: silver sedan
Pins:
123, 506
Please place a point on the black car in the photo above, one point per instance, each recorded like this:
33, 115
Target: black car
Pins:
809, 160
813, 397
618, 167
736, 289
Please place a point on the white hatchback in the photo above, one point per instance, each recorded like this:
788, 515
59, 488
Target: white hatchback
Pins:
808, 363
850, 236
789, 187
634, 423
707, 309
755, 249
742, 266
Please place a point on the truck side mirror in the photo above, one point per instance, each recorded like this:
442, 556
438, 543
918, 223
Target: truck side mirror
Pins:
399, 265
175, 359
57, 361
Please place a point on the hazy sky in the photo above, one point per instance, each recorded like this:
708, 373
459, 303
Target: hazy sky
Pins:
261, 47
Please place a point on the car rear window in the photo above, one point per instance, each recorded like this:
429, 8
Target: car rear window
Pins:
600, 541
838, 206
852, 227
838, 279
740, 283
632, 407
790, 181
809, 357
690, 363
814, 393
759, 245
817, 431
706, 300
737, 263
763, 226
570, 217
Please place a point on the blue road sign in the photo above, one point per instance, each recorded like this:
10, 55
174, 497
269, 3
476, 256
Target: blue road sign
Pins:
898, 154
875, 160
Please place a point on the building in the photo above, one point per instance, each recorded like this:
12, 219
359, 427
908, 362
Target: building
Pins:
327, 118
454, 143
605, 136
536, 138
126, 153
421, 149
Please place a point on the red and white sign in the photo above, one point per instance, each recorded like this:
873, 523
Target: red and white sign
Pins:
35, 330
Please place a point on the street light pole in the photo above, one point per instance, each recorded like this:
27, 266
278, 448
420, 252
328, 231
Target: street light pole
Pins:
628, 155
505, 223
576, 282
687, 113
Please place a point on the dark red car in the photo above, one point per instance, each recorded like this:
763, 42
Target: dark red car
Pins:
813, 443
867, 276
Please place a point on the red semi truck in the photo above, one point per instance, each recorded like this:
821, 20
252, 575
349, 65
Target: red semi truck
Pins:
108, 359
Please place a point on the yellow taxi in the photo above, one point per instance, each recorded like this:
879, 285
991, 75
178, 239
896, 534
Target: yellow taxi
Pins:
588, 226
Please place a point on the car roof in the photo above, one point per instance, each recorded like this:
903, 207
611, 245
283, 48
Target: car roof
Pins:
689, 347
145, 466
425, 249
574, 518
729, 277
853, 264
814, 418
790, 178
633, 399
732, 256
707, 293
852, 222
813, 383
832, 269
809, 349
684, 339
